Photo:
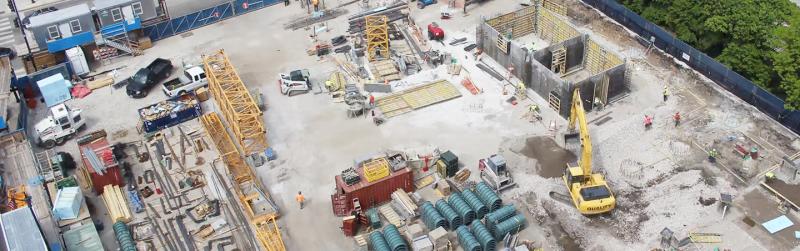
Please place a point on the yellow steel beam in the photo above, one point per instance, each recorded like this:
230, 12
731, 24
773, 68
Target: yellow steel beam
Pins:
264, 225
377, 32
236, 104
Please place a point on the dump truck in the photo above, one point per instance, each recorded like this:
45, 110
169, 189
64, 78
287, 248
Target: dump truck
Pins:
169, 112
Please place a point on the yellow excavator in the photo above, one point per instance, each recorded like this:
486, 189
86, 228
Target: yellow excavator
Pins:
589, 191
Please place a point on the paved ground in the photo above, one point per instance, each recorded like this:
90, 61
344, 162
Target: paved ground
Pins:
659, 176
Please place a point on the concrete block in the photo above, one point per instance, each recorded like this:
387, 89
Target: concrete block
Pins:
382, 88
415, 230
438, 236
443, 187
422, 243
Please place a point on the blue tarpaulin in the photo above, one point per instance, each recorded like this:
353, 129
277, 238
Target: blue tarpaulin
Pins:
777, 224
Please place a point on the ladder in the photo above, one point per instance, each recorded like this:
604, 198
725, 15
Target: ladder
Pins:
558, 64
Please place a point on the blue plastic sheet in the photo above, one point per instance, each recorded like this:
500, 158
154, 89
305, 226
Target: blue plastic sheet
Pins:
777, 224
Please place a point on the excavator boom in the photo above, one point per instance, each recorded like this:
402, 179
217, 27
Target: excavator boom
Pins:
577, 115
589, 191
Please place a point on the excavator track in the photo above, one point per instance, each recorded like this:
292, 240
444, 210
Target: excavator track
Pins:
563, 198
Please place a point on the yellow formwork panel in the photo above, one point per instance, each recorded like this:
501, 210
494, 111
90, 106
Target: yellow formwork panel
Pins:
376, 169
598, 59
554, 29
417, 97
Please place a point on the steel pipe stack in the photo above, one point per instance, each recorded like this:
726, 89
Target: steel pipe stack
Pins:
124, 237
395, 240
500, 215
461, 207
467, 240
431, 217
488, 196
475, 203
510, 226
378, 242
483, 235
453, 219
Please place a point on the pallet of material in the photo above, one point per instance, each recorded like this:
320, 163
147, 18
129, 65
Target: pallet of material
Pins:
116, 204
384, 70
99, 82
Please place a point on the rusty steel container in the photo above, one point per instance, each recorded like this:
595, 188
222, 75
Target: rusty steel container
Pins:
110, 174
369, 194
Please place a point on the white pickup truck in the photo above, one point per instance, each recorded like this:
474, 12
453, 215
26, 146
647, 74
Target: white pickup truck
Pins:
191, 79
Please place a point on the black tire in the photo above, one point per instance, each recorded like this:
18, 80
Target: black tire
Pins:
430, 35
181, 93
49, 144
60, 141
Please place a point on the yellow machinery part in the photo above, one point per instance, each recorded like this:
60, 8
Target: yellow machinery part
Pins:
581, 177
376, 169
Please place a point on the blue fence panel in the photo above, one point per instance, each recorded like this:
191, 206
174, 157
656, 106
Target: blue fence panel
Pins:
245, 6
728, 79
189, 22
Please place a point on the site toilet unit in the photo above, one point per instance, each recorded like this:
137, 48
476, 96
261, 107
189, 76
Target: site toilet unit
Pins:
78, 60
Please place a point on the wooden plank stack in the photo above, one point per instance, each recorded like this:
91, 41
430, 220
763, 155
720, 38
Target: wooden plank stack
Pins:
384, 70
99, 82
404, 201
116, 204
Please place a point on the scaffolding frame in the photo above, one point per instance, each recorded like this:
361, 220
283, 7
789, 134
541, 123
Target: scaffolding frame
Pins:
247, 187
377, 33
237, 105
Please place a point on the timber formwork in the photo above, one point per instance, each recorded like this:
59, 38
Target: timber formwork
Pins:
236, 104
417, 97
256, 201
377, 37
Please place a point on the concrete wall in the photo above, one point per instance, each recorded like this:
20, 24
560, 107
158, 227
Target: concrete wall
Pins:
575, 49
535, 75
533, 68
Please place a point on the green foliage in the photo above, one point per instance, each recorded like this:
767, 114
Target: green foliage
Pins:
759, 39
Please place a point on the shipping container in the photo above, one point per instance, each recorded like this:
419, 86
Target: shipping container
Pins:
109, 172
169, 112
369, 194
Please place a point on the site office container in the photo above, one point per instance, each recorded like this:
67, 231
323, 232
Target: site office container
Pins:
369, 194
112, 175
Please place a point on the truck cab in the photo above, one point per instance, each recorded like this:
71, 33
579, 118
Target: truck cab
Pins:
61, 124
295, 81
192, 78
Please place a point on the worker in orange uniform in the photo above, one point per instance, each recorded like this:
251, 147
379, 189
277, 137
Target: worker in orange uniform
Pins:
316, 4
300, 199
677, 118
648, 121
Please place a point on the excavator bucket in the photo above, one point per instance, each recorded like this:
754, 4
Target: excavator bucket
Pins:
572, 142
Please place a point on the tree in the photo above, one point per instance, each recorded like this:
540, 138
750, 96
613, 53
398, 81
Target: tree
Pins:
759, 39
